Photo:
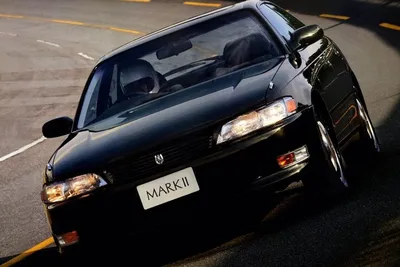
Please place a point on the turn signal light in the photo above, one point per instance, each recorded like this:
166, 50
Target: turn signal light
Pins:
293, 157
68, 238
291, 105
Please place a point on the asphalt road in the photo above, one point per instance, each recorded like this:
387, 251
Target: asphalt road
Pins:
43, 68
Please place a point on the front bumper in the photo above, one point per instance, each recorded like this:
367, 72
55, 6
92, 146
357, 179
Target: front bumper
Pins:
235, 169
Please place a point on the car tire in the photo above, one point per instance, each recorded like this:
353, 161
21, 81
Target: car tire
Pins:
369, 143
327, 178
70, 255
78, 255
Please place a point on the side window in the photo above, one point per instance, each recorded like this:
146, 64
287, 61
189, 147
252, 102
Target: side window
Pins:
281, 20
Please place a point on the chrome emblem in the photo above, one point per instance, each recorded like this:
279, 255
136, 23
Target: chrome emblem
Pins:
271, 86
159, 159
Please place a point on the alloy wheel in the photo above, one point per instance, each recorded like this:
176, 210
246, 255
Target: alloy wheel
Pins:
368, 126
332, 153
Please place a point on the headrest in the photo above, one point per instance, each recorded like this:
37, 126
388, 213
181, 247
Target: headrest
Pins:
246, 49
138, 75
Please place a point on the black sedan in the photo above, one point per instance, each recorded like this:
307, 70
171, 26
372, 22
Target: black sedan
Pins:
240, 100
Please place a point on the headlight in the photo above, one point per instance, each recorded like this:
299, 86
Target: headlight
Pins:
72, 187
255, 120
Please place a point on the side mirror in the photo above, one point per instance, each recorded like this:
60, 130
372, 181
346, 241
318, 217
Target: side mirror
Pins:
305, 36
57, 127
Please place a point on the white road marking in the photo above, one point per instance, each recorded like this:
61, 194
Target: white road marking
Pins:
48, 43
8, 33
85, 56
22, 149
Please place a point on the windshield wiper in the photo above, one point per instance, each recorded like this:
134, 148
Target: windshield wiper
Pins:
191, 65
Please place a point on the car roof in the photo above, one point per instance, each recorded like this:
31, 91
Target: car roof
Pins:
249, 4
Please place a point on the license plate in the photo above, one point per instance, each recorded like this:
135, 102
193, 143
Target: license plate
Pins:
167, 188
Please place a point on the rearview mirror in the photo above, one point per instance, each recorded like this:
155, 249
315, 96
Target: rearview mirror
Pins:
174, 49
57, 127
305, 36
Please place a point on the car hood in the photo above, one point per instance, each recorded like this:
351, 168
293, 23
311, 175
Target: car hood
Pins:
163, 119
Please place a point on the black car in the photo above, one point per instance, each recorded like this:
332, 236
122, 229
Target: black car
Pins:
242, 99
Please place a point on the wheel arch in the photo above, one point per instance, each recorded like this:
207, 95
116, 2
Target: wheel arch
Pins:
320, 109
357, 88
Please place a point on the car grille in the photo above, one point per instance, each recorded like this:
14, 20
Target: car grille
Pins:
175, 153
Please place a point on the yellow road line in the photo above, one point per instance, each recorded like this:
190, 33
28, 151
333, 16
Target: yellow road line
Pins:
124, 30
390, 26
68, 22
202, 4
11, 16
139, 1
28, 252
71, 22
330, 16
96, 26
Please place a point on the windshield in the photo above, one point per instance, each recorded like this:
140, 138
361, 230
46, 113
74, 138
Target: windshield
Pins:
176, 62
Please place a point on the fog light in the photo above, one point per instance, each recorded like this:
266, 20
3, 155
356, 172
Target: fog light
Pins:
293, 157
67, 239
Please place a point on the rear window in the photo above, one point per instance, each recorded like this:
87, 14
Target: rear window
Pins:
175, 62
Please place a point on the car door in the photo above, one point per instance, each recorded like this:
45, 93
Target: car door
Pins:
324, 67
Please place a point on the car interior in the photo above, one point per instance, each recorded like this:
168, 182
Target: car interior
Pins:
239, 53
245, 51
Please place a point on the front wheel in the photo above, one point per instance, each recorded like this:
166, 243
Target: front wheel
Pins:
328, 176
